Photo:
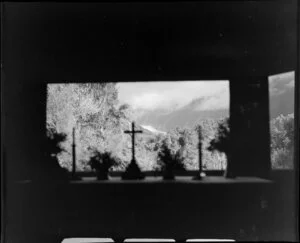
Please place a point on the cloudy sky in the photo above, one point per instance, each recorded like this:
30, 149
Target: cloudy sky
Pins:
279, 83
166, 95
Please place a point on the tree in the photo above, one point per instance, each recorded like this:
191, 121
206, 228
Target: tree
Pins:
169, 162
102, 162
221, 143
52, 149
54, 141
282, 141
92, 108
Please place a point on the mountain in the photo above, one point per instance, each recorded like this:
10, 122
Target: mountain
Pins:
282, 103
152, 129
186, 116
190, 114
282, 94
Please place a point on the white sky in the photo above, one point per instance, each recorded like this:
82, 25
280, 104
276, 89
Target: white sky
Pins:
165, 95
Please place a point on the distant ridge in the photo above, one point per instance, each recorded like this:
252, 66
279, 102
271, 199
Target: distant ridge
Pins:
189, 115
186, 116
282, 103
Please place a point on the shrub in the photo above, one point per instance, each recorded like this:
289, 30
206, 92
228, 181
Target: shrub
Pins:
221, 142
53, 143
170, 162
282, 159
102, 162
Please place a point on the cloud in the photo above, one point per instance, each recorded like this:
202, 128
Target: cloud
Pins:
291, 84
148, 101
168, 95
280, 83
219, 101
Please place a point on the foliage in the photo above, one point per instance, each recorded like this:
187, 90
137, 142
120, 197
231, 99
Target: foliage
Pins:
91, 108
221, 142
282, 159
53, 142
282, 141
169, 161
102, 162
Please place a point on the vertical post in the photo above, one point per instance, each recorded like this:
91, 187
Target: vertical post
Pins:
200, 149
74, 155
133, 141
200, 174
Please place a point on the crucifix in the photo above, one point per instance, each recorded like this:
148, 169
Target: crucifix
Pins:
133, 171
133, 132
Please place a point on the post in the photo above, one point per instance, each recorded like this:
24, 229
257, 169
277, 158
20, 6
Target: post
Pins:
200, 149
133, 141
200, 174
74, 155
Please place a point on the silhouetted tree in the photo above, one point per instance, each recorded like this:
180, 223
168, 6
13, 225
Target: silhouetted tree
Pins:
53, 147
53, 144
102, 162
221, 143
169, 162
222, 140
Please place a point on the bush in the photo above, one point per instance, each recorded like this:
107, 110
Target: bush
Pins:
53, 144
282, 141
102, 162
221, 142
282, 159
170, 162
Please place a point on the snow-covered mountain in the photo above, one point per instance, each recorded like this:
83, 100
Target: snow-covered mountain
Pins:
186, 116
189, 115
281, 100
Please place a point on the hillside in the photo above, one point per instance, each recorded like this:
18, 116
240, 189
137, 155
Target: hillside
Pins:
282, 103
186, 116
189, 115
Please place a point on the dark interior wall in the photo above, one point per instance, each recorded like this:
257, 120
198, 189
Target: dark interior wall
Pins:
284, 206
250, 126
163, 210
135, 41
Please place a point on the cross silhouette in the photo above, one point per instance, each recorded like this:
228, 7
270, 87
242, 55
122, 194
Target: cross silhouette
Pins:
133, 132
